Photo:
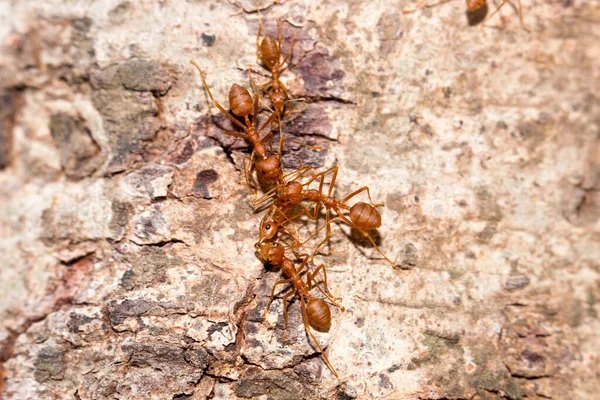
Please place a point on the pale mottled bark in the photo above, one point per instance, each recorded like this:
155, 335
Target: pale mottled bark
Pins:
127, 230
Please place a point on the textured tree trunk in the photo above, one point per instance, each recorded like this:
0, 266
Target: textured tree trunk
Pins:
127, 231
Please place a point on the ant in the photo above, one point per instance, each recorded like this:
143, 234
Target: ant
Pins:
315, 311
362, 216
269, 53
242, 105
472, 5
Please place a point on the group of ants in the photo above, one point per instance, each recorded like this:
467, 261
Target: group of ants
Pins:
278, 236
286, 197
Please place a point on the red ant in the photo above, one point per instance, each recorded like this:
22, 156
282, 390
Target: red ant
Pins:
472, 5
315, 311
269, 53
362, 216
242, 105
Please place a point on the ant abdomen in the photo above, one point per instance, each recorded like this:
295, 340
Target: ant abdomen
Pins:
240, 100
319, 314
270, 51
365, 216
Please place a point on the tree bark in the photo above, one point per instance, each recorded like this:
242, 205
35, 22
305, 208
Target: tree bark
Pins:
127, 230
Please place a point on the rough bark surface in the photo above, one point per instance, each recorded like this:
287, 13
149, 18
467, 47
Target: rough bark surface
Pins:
126, 228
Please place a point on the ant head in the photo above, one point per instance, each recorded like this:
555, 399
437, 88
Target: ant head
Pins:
268, 230
269, 168
271, 252
270, 51
240, 100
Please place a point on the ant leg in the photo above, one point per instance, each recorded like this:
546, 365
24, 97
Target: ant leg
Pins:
268, 121
268, 141
285, 314
280, 42
264, 86
362, 189
280, 149
260, 27
308, 146
495, 11
332, 182
303, 264
287, 220
332, 220
519, 10
327, 236
294, 235
327, 293
307, 327
285, 91
281, 282
248, 174
236, 134
231, 117
365, 234
265, 197
299, 172
255, 105
288, 56
322, 175
312, 215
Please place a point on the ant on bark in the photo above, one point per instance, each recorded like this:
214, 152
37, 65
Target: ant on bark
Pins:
315, 311
361, 216
269, 53
242, 105
472, 5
